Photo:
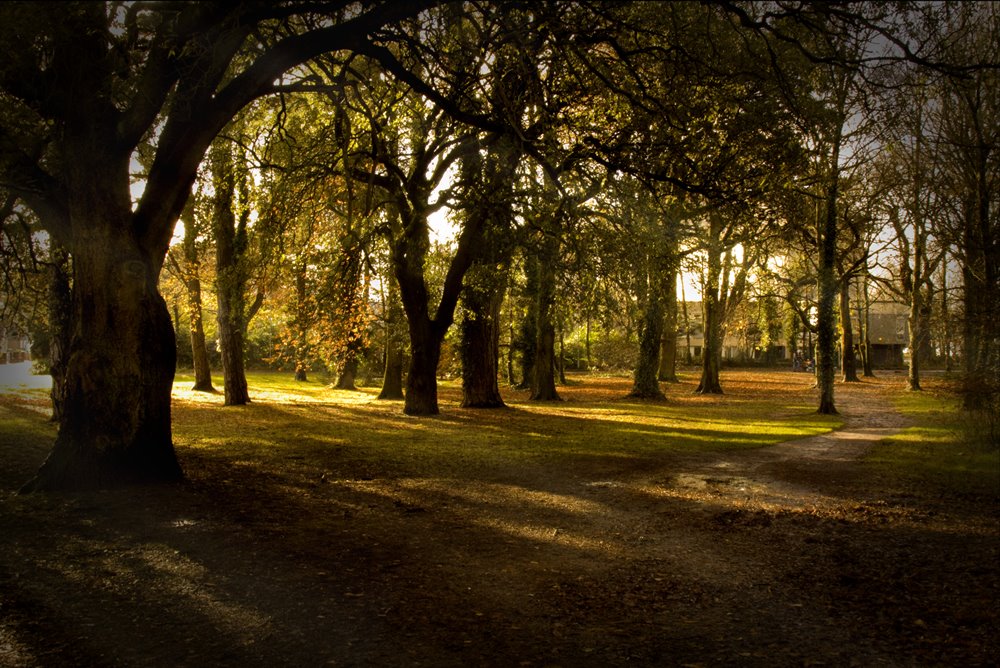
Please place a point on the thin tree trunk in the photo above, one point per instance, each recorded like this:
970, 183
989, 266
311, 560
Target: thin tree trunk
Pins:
849, 365
827, 289
229, 246
865, 320
192, 284
301, 324
543, 386
529, 324
711, 356
392, 378
668, 347
915, 342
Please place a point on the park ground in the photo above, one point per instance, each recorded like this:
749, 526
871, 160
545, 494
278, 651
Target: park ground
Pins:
321, 527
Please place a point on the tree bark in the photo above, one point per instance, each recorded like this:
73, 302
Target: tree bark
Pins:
864, 318
668, 346
827, 289
645, 379
60, 305
392, 377
849, 366
528, 334
543, 384
348, 374
711, 353
301, 352
230, 244
916, 339
482, 298
192, 284
115, 421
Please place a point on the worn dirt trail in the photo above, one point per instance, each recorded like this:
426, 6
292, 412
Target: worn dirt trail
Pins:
790, 475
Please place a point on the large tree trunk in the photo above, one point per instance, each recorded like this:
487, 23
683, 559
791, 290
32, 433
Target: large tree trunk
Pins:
348, 373
543, 383
849, 365
421, 379
115, 423
483, 297
230, 243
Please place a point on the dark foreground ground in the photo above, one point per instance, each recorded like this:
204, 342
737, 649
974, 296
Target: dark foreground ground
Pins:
795, 555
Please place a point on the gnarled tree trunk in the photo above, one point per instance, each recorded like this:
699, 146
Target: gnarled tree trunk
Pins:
115, 421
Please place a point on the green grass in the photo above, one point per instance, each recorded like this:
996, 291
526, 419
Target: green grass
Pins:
941, 450
595, 426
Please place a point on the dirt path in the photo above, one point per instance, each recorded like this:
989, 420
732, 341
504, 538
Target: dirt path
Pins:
797, 474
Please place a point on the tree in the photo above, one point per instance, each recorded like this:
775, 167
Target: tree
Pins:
188, 270
84, 84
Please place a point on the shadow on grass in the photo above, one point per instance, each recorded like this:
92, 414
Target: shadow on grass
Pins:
352, 534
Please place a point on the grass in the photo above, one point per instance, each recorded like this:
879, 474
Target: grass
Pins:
350, 433
307, 427
941, 449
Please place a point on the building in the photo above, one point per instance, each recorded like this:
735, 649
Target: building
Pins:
15, 346
888, 334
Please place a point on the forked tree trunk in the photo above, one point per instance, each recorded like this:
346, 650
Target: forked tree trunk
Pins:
115, 422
